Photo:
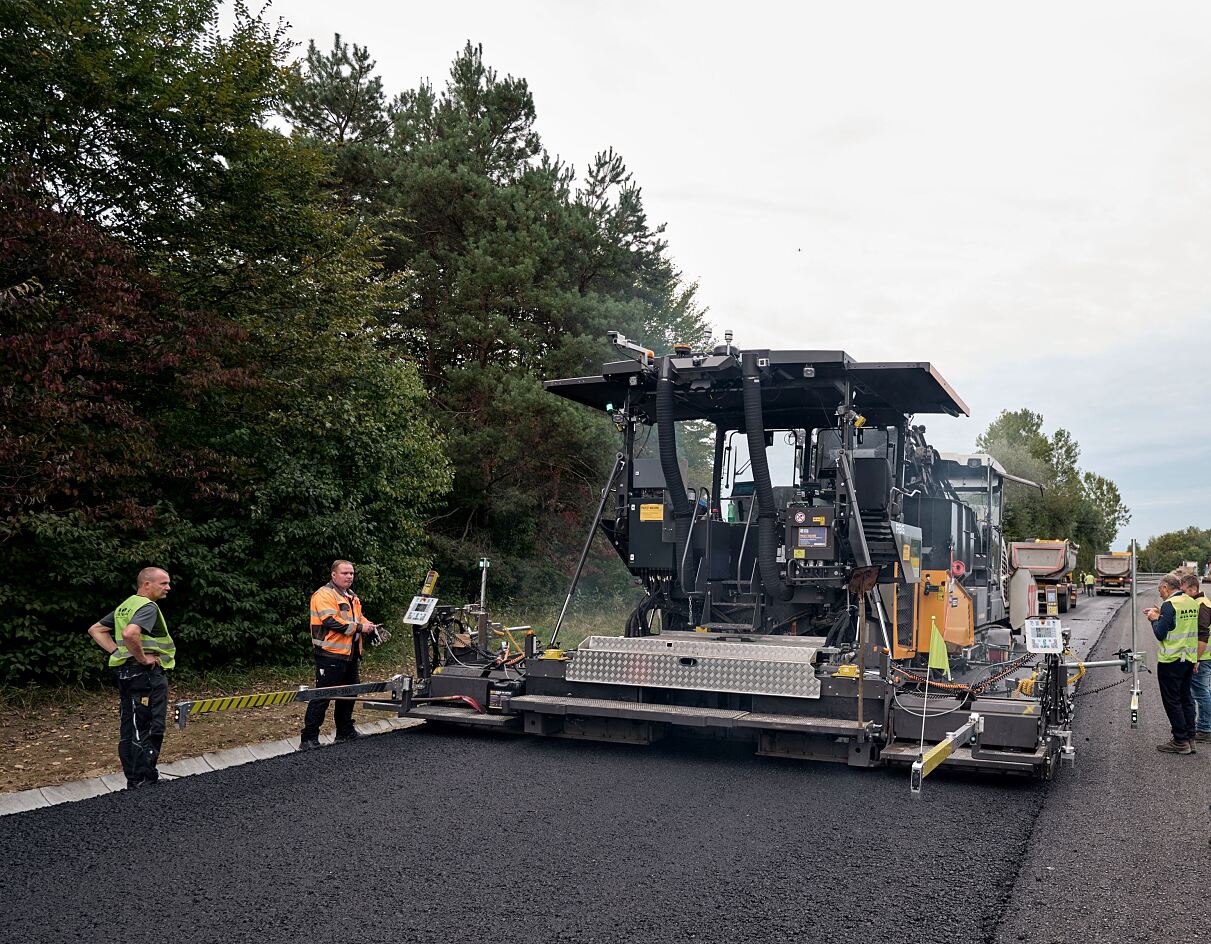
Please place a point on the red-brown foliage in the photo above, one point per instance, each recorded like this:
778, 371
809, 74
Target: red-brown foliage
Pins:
108, 389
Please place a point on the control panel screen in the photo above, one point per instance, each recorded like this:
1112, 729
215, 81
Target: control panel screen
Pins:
812, 537
1044, 635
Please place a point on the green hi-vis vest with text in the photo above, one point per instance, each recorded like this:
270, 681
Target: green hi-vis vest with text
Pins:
158, 644
1181, 643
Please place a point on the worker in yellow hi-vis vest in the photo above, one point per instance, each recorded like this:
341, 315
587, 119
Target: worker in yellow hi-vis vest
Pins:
1175, 625
136, 637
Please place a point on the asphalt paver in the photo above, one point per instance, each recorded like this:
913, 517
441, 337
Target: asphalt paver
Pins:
428, 836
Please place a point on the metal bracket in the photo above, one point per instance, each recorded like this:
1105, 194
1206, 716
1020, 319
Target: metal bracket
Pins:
933, 758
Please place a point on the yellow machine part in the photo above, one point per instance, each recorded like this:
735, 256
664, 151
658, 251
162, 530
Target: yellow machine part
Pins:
950, 605
903, 638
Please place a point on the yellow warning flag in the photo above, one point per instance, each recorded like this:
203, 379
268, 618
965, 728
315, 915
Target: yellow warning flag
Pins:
939, 658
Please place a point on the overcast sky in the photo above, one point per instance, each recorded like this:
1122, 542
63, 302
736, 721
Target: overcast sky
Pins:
1018, 194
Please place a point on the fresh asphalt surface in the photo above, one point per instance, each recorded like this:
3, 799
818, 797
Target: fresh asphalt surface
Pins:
432, 837
1121, 850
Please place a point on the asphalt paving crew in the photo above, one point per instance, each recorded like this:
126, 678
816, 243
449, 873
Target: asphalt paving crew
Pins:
140, 649
1175, 625
338, 628
1200, 686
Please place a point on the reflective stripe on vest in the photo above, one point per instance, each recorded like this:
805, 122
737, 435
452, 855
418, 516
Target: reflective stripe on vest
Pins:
1181, 642
327, 602
158, 644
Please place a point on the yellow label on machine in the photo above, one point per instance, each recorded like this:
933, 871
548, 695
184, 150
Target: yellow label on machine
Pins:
800, 554
651, 512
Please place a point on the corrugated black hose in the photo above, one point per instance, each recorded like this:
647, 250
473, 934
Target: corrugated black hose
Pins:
767, 514
682, 508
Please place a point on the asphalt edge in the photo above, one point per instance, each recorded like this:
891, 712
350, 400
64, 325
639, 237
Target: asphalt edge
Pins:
75, 790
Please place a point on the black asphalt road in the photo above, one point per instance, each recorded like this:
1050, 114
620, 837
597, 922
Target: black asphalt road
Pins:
430, 837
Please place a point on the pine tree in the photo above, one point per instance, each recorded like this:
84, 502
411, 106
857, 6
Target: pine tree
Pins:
508, 274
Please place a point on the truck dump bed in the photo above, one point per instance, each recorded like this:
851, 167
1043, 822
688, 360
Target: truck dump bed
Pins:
1112, 565
1045, 559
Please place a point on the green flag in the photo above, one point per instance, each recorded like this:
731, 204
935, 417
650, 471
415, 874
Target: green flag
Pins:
939, 658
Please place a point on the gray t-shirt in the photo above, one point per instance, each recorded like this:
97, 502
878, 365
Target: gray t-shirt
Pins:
144, 618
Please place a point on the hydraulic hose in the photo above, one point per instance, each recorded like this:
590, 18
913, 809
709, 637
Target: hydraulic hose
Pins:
767, 520
667, 430
717, 470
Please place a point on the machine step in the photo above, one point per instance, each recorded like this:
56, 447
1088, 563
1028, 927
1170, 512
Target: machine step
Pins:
905, 752
684, 716
466, 716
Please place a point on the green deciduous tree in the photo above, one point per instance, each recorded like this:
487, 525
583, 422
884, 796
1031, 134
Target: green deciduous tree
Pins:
1164, 552
1082, 506
236, 355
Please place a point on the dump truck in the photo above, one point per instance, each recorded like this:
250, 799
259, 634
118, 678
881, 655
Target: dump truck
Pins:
1113, 572
1050, 561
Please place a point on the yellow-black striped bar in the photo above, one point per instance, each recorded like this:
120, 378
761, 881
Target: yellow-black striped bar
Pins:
932, 758
400, 687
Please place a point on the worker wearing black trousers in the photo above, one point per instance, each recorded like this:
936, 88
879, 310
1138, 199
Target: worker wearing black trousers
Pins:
1175, 625
329, 673
140, 649
337, 629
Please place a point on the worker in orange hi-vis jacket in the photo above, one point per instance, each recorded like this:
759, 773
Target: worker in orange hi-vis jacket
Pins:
338, 627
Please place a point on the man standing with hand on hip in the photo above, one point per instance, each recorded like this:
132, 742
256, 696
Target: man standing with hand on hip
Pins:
337, 628
140, 649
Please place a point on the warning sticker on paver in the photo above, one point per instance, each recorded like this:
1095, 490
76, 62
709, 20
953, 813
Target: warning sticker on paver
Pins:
651, 512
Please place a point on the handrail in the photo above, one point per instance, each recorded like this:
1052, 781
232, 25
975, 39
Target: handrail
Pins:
748, 523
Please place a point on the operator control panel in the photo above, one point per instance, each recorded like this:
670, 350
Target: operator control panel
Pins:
809, 533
